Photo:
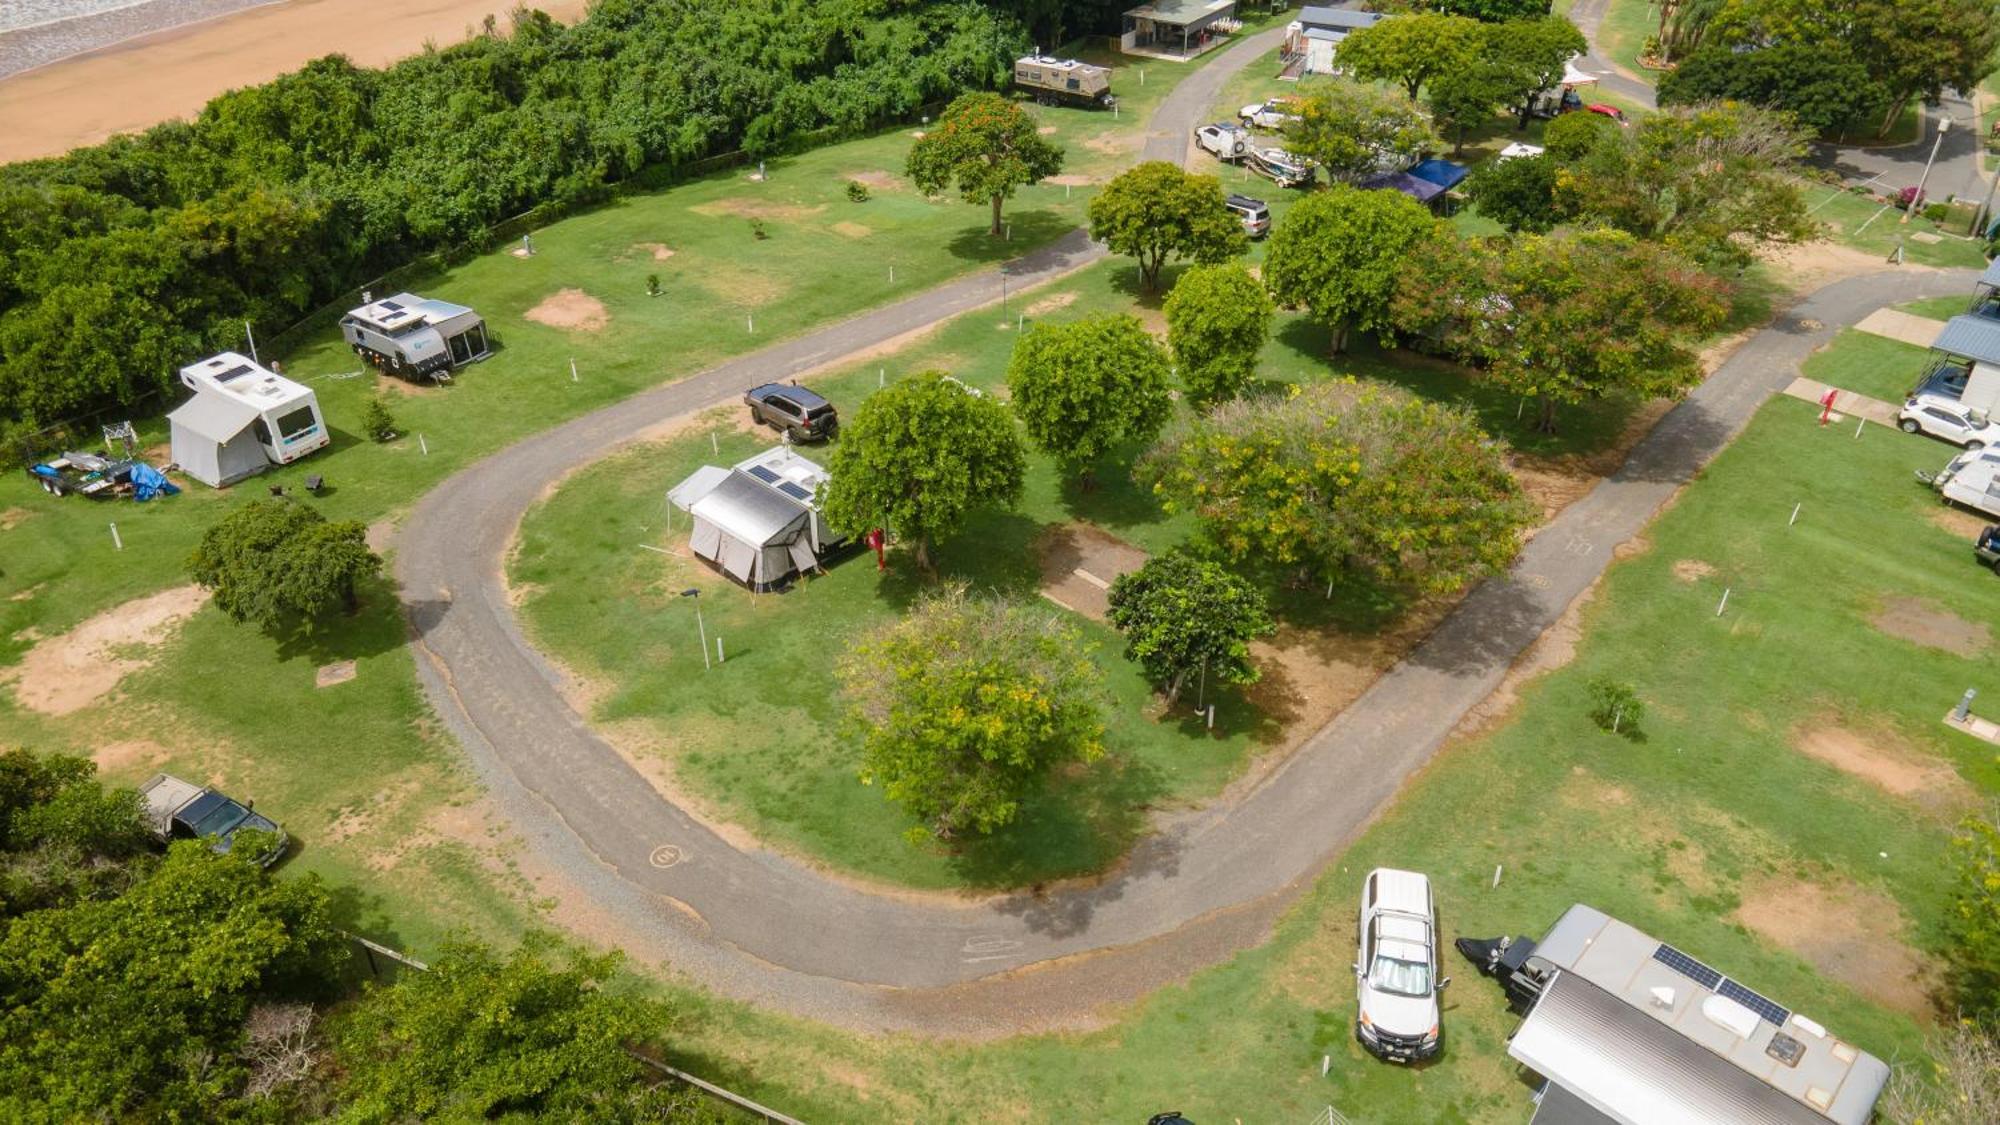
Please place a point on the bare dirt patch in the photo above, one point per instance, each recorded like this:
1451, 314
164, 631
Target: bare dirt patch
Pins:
1110, 144
742, 286
64, 674
1922, 623
758, 209
1557, 482
338, 672
1046, 130
877, 180
386, 384
658, 251
1808, 266
571, 310
1692, 570
1079, 563
847, 229
1069, 179
1851, 933
1960, 522
1888, 763
128, 755
13, 518
1051, 303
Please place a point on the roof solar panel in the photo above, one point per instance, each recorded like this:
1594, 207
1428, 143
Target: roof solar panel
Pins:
236, 372
794, 491
1766, 1010
1687, 966
763, 474
388, 304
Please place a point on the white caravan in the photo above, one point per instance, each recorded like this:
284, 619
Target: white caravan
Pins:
242, 418
1972, 478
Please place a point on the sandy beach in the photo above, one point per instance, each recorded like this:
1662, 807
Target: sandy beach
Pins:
156, 77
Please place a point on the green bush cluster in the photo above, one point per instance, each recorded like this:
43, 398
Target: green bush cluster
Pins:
121, 262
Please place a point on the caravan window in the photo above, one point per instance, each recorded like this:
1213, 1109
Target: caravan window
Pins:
297, 422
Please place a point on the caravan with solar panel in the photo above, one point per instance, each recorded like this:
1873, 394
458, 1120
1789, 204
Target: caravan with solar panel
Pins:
414, 337
759, 521
243, 418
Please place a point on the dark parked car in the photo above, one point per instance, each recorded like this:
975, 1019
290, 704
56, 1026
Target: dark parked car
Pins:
182, 810
801, 414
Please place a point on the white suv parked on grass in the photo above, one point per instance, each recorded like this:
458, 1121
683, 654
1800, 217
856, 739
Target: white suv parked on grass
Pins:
1945, 418
1274, 114
1396, 976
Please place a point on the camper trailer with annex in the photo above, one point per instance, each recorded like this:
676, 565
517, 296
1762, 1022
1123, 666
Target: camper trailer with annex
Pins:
415, 338
242, 418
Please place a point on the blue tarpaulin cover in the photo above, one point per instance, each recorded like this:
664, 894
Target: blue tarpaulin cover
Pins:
148, 482
1443, 173
1423, 191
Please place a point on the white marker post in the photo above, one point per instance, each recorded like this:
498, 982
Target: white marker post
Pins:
1724, 603
1795, 513
713, 447
1496, 874
117, 544
572, 369
1858, 426
892, 275
1211, 716
749, 324
881, 377
718, 650
423, 445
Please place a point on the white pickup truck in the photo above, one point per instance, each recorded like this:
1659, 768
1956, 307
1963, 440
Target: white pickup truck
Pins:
1396, 975
1226, 142
1274, 114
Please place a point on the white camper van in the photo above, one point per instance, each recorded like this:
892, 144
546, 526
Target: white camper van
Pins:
1972, 478
243, 417
415, 338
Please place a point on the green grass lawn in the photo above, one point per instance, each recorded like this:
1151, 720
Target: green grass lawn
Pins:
1867, 364
607, 606
1712, 809
1857, 221
388, 812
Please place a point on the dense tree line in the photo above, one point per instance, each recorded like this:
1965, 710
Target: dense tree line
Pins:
194, 986
121, 262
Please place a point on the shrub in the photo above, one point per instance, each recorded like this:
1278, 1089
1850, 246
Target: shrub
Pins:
757, 230
857, 191
1615, 705
376, 421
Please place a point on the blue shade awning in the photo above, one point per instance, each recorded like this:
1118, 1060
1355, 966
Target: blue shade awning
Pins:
1443, 173
1423, 191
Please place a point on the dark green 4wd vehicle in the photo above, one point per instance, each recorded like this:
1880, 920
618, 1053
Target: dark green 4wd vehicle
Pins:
182, 810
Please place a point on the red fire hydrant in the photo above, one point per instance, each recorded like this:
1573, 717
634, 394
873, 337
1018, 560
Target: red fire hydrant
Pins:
1826, 405
877, 540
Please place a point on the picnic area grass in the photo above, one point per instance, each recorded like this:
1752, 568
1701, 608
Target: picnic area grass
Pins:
1860, 222
1708, 828
598, 595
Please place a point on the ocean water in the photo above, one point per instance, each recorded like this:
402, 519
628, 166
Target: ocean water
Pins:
16, 14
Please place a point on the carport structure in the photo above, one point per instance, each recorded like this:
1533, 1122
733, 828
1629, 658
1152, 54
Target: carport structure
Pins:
1174, 29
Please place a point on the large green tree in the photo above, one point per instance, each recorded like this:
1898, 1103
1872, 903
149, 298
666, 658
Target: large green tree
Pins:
965, 705
1410, 50
132, 1008
1715, 182
1183, 616
1337, 254
532, 1035
1574, 317
1973, 919
986, 145
1083, 388
1346, 482
277, 562
1518, 193
1218, 318
1353, 131
918, 457
1155, 210
1821, 86
1532, 55
64, 837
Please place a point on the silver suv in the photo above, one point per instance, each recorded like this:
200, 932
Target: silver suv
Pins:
1255, 214
1396, 975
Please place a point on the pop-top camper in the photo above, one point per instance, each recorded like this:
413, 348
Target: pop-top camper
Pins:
242, 418
1063, 81
414, 337
1972, 478
1965, 363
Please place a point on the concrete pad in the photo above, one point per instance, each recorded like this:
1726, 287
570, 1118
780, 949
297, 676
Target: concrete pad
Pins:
1918, 330
1974, 726
1844, 402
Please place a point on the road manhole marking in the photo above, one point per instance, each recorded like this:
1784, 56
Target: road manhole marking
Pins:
666, 855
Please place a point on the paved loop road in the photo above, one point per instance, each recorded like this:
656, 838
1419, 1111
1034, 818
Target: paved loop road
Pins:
772, 930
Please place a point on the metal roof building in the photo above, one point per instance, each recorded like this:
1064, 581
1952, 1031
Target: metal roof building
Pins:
1631, 1030
1973, 337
